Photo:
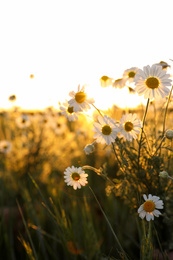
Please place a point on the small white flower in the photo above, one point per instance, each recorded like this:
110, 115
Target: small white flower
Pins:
89, 148
119, 83
129, 74
106, 130
5, 146
105, 81
68, 112
152, 82
59, 125
150, 207
75, 177
129, 126
79, 100
23, 121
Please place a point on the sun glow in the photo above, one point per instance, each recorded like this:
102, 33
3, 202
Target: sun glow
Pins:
42, 60
107, 97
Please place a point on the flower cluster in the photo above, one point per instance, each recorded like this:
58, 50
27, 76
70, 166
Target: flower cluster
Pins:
152, 82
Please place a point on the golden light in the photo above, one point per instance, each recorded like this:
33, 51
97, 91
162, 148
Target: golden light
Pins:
78, 46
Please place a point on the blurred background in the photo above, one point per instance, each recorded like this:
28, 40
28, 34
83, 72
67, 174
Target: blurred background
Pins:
47, 48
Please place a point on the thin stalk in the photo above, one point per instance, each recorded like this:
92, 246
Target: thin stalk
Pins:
27, 230
142, 129
98, 172
158, 240
97, 110
113, 146
109, 224
164, 120
169, 177
163, 139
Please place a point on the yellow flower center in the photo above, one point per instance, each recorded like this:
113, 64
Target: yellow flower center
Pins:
131, 74
149, 206
75, 176
80, 97
152, 82
70, 110
23, 120
104, 78
128, 126
106, 130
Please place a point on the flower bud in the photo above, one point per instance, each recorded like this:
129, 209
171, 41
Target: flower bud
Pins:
169, 134
163, 174
89, 148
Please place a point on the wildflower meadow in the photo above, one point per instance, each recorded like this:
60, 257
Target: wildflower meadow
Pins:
78, 186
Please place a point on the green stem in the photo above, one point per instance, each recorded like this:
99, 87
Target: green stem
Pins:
164, 120
109, 224
163, 139
98, 172
142, 129
97, 110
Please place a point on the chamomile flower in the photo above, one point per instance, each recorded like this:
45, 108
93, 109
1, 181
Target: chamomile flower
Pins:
105, 81
23, 121
75, 177
68, 112
164, 65
80, 101
149, 208
152, 82
119, 83
106, 130
129, 74
5, 146
58, 124
129, 126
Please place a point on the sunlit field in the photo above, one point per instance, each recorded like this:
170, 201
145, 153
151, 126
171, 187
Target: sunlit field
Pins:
79, 181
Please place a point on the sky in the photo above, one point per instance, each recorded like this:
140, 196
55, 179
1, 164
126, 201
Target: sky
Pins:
67, 43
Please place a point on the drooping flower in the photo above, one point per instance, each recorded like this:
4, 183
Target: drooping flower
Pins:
164, 65
152, 82
105, 81
68, 112
169, 134
106, 130
129, 126
129, 74
80, 101
5, 146
149, 208
75, 177
119, 83
89, 148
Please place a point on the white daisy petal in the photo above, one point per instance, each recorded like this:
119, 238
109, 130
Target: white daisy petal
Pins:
128, 128
80, 102
150, 207
75, 177
106, 130
148, 216
152, 79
